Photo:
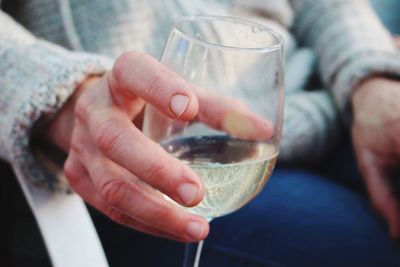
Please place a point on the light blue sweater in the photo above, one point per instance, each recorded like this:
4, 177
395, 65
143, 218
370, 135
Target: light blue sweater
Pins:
67, 40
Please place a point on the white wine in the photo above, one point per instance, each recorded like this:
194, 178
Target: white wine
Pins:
233, 171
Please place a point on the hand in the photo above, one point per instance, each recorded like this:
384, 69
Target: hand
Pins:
119, 171
113, 166
375, 133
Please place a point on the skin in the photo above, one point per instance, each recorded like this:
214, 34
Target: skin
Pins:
115, 168
397, 41
375, 134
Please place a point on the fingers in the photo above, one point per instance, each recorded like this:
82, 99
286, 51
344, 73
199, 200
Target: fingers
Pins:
80, 181
134, 198
232, 116
114, 134
127, 193
380, 191
146, 205
137, 74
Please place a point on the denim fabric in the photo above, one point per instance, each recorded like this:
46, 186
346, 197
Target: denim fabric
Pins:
299, 219
302, 219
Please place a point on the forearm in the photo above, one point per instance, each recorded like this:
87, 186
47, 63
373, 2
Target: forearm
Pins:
36, 80
350, 41
59, 130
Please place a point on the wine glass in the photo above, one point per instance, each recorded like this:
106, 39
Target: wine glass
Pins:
235, 68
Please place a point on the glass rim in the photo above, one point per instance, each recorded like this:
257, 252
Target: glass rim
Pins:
278, 44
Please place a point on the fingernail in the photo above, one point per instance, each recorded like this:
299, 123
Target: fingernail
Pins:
187, 193
178, 104
195, 230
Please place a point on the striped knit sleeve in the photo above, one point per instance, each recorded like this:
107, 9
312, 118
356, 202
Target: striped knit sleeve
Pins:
350, 41
311, 127
36, 78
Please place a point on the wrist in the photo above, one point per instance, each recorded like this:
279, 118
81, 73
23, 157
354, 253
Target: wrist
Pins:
366, 87
59, 131
376, 101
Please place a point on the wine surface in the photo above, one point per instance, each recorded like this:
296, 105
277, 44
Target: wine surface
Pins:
233, 171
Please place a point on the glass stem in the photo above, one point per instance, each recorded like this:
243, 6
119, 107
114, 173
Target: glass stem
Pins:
189, 253
198, 253
192, 254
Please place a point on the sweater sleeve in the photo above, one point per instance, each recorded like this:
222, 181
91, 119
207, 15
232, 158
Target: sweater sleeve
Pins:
312, 127
37, 77
350, 41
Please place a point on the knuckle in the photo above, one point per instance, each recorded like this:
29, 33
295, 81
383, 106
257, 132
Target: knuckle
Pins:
156, 172
117, 217
71, 173
114, 192
76, 147
107, 135
121, 65
81, 109
155, 85
164, 212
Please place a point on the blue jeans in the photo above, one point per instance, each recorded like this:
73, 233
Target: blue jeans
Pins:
302, 219
299, 219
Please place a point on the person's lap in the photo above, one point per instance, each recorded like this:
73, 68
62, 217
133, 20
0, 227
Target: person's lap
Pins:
299, 219
302, 219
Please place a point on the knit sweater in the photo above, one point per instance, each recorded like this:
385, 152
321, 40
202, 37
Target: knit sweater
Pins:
64, 41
